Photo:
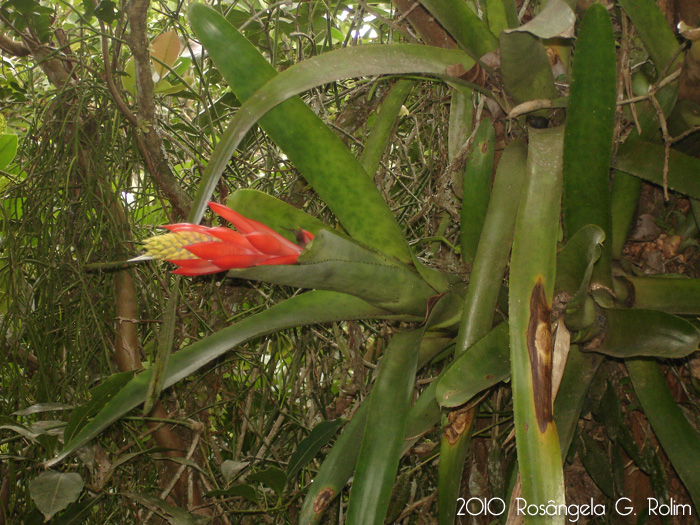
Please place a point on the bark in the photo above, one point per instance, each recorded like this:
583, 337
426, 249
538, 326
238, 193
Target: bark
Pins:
12, 47
425, 24
152, 150
126, 351
128, 358
57, 70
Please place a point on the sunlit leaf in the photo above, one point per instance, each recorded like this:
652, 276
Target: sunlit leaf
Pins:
8, 149
556, 20
165, 49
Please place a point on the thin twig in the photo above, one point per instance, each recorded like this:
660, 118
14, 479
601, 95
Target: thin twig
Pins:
686, 133
668, 141
221, 512
386, 21
119, 101
190, 452
423, 502
653, 89
524, 7
625, 79
403, 16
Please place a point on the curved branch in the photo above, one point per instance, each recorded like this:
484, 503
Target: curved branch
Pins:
12, 47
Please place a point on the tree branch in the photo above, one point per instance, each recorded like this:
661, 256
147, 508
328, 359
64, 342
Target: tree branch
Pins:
12, 47
150, 143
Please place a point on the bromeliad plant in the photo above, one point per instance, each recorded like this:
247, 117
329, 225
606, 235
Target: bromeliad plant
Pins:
370, 273
200, 250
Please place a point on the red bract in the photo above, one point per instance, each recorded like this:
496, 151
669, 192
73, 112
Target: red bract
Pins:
199, 250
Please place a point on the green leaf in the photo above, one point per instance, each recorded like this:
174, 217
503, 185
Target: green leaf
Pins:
99, 397
165, 337
463, 25
678, 438
525, 68
572, 289
454, 445
423, 416
311, 444
106, 10
580, 369
575, 261
588, 140
653, 30
174, 515
662, 46
241, 490
163, 87
273, 477
460, 124
597, 464
309, 308
42, 407
494, 247
8, 149
446, 311
377, 141
476, 188
631, 333
53, 491
501, 15
331, 262
617, 428
319, 155
26, 7
278, 215
671, 294
532, 271
486, 363
382, 443
336, 469
338, 466
490, 261
230, 468
129, 76
76, 514
646, 161
626, 188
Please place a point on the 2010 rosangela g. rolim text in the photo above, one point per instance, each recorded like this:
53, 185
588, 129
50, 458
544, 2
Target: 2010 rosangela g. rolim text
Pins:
573, 511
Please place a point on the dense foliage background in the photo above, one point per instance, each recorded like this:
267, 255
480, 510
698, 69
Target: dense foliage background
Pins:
111, 112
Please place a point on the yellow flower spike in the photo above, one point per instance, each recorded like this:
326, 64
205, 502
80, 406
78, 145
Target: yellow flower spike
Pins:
172, 245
